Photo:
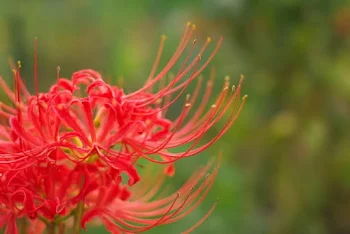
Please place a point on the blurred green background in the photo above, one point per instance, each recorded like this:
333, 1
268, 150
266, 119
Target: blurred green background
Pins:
286, 163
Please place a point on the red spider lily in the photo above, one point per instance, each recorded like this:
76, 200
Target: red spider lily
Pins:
105, 124
62, 152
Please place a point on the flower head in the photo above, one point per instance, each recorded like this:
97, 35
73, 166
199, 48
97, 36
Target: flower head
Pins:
91, 132
87, 119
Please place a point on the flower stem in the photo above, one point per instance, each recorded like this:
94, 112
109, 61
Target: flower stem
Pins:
51, 228
79, 211
77, 218
61, 228
23, 225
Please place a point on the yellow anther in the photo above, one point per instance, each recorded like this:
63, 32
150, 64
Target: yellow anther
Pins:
245, 97
213, 106
159, 101
188, 96
97, 123
227, 83
19, 64
163, 37
193, 26
233, 88
194, 41
241, 78
188, 23
208, 39
14, 71
199, 56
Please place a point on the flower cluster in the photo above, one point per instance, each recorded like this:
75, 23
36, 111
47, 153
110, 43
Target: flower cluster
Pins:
63, 152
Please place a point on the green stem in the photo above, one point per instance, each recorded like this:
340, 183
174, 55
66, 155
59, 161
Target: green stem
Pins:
51, 228
77, 217
61, 228
42, 219
79, 211
23, 225
62, 219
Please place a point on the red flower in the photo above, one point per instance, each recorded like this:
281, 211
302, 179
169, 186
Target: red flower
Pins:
62, 152
105, 124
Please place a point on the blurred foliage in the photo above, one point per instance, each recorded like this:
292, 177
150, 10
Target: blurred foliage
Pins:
287, 159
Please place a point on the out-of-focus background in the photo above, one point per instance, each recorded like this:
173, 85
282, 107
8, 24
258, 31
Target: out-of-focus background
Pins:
286, 163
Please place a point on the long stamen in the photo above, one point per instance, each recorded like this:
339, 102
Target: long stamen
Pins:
58, 69
156, 62
181, 47
36, 85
